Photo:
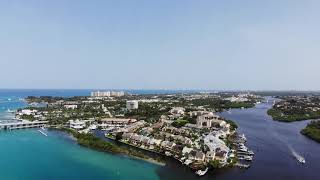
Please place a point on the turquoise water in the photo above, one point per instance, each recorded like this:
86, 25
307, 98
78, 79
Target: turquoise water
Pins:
27, 154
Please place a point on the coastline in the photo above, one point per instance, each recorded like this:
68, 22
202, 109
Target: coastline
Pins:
123, 153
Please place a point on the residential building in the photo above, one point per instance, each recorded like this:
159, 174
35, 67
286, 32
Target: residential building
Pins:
76, 124
132, 105
71, 106
207, 120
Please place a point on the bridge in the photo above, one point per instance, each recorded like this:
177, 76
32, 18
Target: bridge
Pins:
22, 125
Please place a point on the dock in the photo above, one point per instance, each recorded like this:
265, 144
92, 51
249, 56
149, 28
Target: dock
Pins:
42, 133
22, 125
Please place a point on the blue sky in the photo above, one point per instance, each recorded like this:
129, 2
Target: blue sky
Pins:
167, 44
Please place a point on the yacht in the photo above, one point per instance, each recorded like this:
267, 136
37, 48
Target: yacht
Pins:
243, 137
201, 173
251, 152
93, 127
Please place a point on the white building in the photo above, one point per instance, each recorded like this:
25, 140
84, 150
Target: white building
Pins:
107, 93
132, 105
177, 110
28, 112
71, 106
208, 120
117, 93
76, 124
100, 94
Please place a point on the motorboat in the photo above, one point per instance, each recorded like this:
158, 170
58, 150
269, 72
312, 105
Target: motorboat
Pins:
201, 173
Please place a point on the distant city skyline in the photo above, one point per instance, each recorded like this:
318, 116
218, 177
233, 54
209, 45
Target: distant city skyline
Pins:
170, 44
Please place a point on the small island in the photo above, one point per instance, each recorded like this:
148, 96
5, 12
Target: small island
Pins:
184, 127
312, 130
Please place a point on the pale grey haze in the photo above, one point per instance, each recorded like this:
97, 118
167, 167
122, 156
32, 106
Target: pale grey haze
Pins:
167, 44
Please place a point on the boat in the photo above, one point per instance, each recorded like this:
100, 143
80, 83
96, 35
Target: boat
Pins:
245, 157
93, 127
251, 152
301, 160
245, 166
299, 157
201, 173
108, 129
247, 153
187, 162
243, 137
248, 158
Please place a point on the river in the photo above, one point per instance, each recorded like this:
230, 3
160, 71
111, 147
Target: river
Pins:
273, 143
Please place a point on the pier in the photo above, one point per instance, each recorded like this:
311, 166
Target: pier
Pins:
22, 125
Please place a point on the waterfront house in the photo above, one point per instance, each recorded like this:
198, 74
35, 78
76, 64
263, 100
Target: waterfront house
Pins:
199, 156
127, 136
221, 155
136, 138
186, 150
155, 142
207, 120
210, 155
118, 121
145, 140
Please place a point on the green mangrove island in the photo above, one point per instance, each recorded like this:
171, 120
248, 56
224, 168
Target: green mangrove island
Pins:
296, 108
312, 130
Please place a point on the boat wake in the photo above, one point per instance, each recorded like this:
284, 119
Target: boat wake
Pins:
297, 156
294, 153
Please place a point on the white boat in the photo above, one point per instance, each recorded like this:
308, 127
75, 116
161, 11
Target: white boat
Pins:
301, 160
298, 157
108, 129
187, 162
243, 137
251, 152
201, 173
93, 127
248, 158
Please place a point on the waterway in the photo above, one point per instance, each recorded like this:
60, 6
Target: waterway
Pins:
273, 143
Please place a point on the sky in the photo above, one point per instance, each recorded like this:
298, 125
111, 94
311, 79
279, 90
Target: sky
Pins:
167, 44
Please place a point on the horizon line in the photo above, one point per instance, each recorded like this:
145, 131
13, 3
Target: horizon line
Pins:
155, 89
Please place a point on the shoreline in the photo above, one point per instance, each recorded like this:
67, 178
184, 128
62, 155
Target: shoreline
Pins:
72, 137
